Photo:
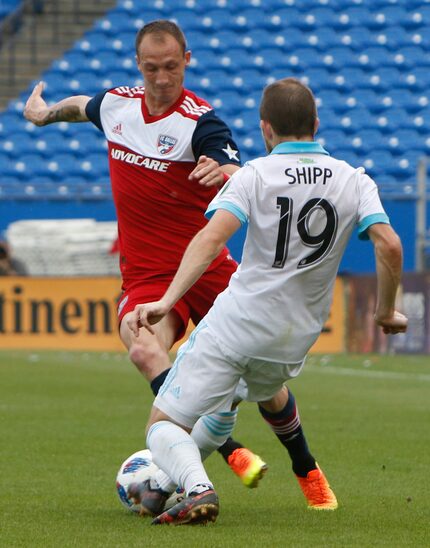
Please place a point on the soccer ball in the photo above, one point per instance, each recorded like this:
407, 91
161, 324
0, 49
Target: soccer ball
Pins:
138, 468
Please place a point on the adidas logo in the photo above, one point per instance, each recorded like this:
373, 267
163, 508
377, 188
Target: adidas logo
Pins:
117, 129
176, 391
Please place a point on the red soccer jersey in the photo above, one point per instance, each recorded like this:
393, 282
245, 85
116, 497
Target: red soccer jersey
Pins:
150, 157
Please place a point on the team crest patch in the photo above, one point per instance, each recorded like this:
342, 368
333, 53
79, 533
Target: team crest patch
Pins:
166, 143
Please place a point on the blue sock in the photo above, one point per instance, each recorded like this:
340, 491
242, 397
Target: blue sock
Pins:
287, 427
157, 382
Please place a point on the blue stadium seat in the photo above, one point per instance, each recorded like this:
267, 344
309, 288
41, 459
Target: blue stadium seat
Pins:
325, 16
116, 22
403, 168
420, 79
287, 39
339, 103
421, 37
230, 101
416, 19
409, 101
28, 166
356, 120
394, 38
202, 40
324, 39
413, 56
17, 144
55, 84
95, 191
421, 121
341, 57
409, 139
359, 16
388, 16
332, 139
284, 18
347, 155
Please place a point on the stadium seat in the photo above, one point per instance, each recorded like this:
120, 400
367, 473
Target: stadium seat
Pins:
409, 101
18, 144
202, 40
356, 39
339, 103
331, 139
415, 19
421, 121
408, 139
286, 40
421, 37
388, 16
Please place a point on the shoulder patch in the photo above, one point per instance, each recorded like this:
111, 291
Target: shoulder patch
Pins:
126, 91
191, 107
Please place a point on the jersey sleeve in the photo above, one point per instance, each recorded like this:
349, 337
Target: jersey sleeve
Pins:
234, 196
92, 109
213, 138
370, 209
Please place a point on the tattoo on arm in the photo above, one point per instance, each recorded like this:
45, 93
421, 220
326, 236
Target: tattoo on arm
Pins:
69, 113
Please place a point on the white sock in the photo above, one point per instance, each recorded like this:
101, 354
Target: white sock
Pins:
209, 433
162, 481
176, 453
212, 431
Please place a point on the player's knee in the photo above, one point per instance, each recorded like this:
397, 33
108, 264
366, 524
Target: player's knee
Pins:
145, 356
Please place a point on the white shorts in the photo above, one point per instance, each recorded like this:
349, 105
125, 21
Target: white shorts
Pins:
206, 375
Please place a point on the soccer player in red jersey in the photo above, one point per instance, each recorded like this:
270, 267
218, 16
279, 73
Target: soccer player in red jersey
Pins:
169, 153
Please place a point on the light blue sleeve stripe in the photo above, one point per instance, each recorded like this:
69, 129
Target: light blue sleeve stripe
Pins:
228, 206
369, 221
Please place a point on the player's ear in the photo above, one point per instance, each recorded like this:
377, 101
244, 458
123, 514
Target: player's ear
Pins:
266, 129
187, 57
316, 126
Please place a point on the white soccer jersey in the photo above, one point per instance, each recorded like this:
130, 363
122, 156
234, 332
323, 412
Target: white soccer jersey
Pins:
302, 206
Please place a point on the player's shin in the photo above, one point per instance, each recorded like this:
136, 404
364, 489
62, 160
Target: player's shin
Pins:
175, 452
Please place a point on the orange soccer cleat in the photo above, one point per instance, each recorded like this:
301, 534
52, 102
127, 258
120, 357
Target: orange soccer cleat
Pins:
249, 467
317, 491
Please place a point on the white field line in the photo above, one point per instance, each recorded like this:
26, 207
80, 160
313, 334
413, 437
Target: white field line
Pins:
348, 372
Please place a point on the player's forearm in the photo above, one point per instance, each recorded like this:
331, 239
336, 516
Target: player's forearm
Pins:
71, 109
201, 251
389, 269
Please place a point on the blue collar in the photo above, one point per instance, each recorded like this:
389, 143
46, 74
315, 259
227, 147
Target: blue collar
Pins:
299, 147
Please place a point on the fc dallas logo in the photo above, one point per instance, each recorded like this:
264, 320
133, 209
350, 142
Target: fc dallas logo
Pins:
165, 144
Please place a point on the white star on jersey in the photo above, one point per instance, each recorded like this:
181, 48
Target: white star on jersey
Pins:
231, 153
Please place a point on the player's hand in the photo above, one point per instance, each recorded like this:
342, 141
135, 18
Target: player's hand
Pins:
397, 323
36, 109
145, 315
207, 172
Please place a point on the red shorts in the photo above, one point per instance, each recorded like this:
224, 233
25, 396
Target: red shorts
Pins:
193, 305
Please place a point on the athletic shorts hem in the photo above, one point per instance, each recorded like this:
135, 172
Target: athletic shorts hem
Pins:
175, 414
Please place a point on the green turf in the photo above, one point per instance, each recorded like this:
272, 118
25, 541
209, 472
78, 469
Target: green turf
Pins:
68, 420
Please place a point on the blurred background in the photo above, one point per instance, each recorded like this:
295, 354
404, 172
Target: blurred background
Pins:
368, 63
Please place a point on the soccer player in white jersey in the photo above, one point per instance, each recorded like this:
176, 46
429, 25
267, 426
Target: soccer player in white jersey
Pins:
302, 206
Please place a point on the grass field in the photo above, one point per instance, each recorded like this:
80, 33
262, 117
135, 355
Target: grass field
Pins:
68, 420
